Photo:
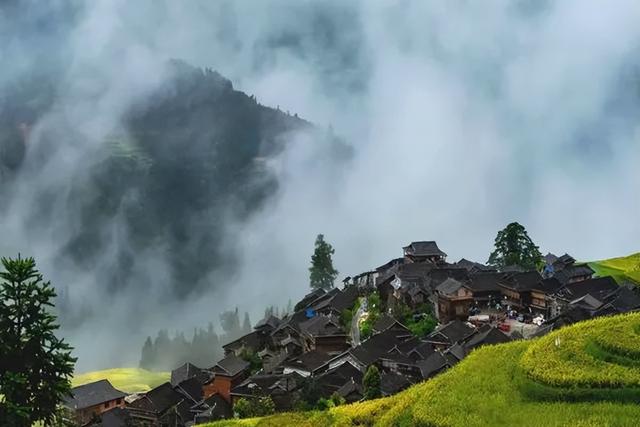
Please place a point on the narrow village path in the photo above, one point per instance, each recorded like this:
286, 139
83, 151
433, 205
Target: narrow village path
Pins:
355, 322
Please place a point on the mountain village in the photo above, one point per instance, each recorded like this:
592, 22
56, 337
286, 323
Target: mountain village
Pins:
411, 318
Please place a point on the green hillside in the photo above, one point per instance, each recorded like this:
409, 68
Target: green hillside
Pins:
130, 380
583, 375
622, 268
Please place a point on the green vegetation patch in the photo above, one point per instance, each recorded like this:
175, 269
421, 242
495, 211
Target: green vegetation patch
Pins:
561, 358
130, 380
622, 268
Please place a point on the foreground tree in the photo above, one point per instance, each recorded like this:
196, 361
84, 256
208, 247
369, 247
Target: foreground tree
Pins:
254, 407
322, 274
35, 365
513, 246
371, 383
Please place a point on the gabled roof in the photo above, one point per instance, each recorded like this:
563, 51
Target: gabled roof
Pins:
309, 298
432, 365
377, 346
322, 325
521, 282
162, 398
564, 261
266, 384
231, 365
598, 288
485, 281
572, 271
191, 388
251, 340
213, 408
116, 417
91, 394
385, 322
451, 333
351, 388
423, 248
549, 286
439, 275
189, 370
270, 322
450, 286
391, 383
472, 266
587, 301
624, 299
485, 336
309, 361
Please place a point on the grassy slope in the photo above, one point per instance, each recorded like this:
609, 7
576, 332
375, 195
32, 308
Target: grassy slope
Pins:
131, 380
622, 268
487, 388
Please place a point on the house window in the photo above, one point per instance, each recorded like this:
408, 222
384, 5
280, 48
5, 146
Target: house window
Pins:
106, 404
459, 309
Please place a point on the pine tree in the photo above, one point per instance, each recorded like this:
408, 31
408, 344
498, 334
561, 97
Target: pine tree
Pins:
35, 365
322, 274
513, 246
246, 324
371, 383
230, 322
147, 359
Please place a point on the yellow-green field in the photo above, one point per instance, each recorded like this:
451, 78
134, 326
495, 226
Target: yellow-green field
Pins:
622, 268
130, 380
565, 378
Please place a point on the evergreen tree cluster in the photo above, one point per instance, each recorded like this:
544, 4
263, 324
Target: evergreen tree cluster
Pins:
167, 352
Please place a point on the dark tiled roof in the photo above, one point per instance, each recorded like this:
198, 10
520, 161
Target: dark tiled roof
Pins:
188, 371
548, 286
570, 272
92, 394
451, 333
485, 282
231, 365
424, 248
322, 325
439, 275
383, 268
271, 322
385, 322
335, 378
449, 286
116, 417
351, 389
191, 388
432, 365
564, 261
309, 361
213, 408
163, 398
251, 340
524, 281
485, 336
624, 299
377, 346
308, 299
264, 384
391, 383
473, 266
598, 288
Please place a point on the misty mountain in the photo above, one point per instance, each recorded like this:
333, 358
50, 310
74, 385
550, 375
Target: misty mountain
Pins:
181, 164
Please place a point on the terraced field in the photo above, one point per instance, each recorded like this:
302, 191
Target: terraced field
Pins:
583, 375
622, 268
130, 380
